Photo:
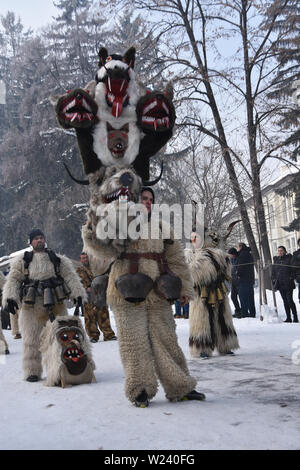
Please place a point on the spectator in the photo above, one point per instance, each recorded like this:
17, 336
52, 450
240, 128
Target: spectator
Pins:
296, 267
95, 318
282, 278
234, 283
245, 277
181, 311
38, 282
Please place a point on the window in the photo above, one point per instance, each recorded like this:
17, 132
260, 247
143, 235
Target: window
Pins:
284, 210
272, 216
293, 244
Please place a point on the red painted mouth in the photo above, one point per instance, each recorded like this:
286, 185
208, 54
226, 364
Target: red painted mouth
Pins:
73, 354
123, 194
116, 94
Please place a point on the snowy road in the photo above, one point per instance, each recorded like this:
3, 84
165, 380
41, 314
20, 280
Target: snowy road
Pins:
252, 401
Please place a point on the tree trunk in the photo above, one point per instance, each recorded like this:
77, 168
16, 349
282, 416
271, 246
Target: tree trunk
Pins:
221, 133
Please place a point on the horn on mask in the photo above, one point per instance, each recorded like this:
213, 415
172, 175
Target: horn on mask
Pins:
83, 182
153, 182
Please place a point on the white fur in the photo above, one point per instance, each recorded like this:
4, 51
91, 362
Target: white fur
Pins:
51, 351
40, 269
100, 141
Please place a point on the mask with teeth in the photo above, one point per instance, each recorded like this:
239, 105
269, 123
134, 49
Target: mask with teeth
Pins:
114, 100
66, 352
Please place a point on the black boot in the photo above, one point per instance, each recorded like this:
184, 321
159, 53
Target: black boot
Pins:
142, 400
32, 378
288, 320
295, 318
194, 395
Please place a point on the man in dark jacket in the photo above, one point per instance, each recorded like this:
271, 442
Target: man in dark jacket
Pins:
296, 267
234, 283
245, 277
282, 278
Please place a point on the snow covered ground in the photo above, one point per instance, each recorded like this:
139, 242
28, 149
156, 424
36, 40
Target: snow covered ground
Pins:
252, 401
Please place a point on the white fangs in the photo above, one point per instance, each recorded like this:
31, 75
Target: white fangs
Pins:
165, 107
150, 106
69, 106
163, 122
85, 104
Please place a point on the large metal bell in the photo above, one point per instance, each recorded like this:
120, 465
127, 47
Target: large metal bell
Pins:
98, 291
134, 287
168, 286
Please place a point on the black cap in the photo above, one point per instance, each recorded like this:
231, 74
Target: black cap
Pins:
232, 251
35, 233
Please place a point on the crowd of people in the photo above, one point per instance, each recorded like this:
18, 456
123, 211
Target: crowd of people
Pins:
285, 275
39, 282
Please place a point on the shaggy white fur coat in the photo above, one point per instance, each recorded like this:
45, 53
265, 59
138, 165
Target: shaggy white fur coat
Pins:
211, 326
147, 337
33, 318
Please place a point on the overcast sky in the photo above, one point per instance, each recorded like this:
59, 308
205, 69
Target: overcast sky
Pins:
33, 13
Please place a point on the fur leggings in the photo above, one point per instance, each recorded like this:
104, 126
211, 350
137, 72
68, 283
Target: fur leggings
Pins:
32, 321
211, 328
149, 350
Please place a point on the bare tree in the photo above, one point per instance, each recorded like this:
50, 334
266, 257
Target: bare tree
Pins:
231, 92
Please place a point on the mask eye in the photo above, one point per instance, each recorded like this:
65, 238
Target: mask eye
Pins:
64, 337
76, 336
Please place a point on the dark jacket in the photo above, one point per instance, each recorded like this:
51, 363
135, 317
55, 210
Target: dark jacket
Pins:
245, 266
296, 265
282, 272
234, 276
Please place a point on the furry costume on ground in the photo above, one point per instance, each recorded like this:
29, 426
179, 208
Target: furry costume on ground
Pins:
119, 126
66, 352
3, 343
211, 325
34, 317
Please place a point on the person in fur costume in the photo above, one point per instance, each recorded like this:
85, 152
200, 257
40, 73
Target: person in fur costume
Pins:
147, 338
3, 343
66, 352
211, 325
31, 283
95, 319
120, 125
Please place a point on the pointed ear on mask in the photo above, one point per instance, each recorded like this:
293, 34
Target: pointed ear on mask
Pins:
54, 99
102, 54
129, 57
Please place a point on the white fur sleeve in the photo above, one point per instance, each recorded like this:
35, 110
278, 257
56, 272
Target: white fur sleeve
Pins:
12, 286
72, 279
